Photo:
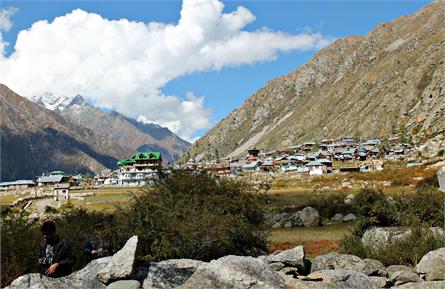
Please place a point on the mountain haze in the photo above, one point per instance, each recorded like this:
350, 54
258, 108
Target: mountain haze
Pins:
35, 140
389, 81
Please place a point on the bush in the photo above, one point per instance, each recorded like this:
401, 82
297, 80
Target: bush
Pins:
373, 209
19, 245
406, 251
194, 215
425, 208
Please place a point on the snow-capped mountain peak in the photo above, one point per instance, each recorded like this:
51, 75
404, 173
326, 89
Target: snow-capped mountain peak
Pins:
57, 102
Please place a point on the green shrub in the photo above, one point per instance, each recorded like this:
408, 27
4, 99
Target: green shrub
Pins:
329, 205
406, 251
194, 215
373, 209
19, 243
424, 207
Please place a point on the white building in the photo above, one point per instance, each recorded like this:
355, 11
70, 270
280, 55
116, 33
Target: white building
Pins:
139, 170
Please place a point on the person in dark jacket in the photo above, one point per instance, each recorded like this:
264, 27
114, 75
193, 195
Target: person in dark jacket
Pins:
55, 257
94, 248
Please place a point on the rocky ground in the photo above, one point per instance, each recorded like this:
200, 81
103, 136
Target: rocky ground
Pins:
283, 269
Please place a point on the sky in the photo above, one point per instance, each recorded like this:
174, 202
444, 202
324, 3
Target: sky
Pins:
181, 64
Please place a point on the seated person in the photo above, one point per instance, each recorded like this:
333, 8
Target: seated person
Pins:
55, 255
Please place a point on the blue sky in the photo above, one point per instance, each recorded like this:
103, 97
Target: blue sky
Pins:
225, 88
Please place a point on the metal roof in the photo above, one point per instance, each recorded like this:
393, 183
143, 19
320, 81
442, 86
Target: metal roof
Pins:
18, 182
50, 179
313, 164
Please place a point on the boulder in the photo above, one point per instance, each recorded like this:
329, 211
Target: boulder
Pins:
333, 279
121, 264
402, 277
310, 217
423, 285
380, 282
433, 265
292, 258
335, 261
349, 218
84, 278
388, 235
125, 284
170, 273
436, 274
234, 272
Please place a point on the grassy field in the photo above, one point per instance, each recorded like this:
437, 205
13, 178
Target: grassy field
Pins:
105, 199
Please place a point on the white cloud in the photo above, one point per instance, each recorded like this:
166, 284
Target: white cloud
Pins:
5, 18
124, 64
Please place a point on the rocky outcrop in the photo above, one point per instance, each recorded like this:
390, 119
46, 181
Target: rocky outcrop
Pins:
121, 264
335, 261
333, 279
234, 272
290, 258
170, 273
286, 269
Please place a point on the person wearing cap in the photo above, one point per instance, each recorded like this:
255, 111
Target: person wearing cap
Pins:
55, 256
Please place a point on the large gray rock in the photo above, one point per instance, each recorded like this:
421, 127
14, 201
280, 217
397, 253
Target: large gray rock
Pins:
85, 278
380, 282
402, 277
234, 272
375, 237
170, 273
400, 274
125, 284
333, 279
294, 258
423, 285
335, 261
121, 264
310, 217
433, 265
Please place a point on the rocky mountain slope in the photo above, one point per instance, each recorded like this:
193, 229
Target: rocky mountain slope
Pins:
35, 140
124, 131
389, 81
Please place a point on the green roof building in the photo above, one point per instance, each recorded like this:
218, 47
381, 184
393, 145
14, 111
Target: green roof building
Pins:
139, 169
142, 158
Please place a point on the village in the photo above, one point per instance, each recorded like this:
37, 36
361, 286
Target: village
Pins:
344, 155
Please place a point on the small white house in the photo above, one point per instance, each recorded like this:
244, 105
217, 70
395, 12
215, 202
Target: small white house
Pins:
62, 188
316, 168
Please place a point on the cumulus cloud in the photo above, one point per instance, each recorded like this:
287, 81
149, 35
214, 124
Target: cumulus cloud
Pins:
125, 64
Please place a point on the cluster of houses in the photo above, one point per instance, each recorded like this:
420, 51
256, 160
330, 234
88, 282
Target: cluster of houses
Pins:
58, 180
342, 155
